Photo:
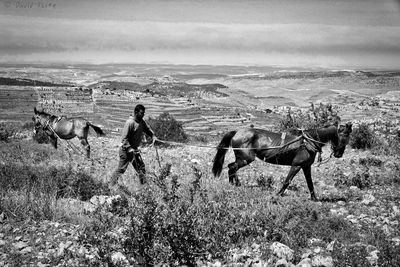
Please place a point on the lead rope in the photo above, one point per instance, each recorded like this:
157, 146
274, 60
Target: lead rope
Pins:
157, 156
73, 146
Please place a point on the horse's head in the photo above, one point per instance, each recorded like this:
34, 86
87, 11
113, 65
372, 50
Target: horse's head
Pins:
39, 120
343, 133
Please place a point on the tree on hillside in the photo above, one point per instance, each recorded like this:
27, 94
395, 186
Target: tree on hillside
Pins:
166, 127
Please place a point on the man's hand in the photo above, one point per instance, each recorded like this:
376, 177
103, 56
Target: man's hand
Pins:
131, 150
154, 139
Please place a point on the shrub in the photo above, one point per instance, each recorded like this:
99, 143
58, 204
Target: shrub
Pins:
313, 118
387, 145
265, 182
354, 255
362, 137
184, 224
29, 186
7, 130
361, 179
77, 184
165, 127
371, 161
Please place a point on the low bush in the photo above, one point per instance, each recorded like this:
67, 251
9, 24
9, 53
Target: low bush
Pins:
362, 137
183, 224
386, 145
313, 118
350, 255
7, 130
359, 254
29, 186
166, 127
360, 178
371, 162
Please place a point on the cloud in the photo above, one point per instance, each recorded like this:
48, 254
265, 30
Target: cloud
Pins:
24, 36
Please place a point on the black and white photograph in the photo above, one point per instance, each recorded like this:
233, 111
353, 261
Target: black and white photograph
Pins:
212, 133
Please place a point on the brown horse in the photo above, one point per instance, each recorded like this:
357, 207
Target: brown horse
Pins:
65, 128
295, 149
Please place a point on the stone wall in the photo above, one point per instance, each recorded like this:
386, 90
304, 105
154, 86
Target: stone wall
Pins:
59, 100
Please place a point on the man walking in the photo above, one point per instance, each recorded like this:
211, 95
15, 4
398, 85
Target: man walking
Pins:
132, 136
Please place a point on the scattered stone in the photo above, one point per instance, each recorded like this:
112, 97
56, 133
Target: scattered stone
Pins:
331, 246
368, 199
306, 254
305, 263
281, 263
317, 250
373, 257
396, 240
195, 161
26, 250
354, 188
396, 210
20, 245
322, 261
110, 203
216, 264
282, 251
339, 212
62, 247
315, 242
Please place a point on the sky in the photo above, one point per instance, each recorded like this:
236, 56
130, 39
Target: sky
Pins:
333, 34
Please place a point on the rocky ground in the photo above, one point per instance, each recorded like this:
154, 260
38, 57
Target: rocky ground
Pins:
367, 206
51, 243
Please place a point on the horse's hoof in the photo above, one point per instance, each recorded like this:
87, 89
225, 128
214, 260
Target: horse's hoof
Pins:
280, 194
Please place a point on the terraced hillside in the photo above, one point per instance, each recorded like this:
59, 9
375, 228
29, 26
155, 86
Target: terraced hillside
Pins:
205, 99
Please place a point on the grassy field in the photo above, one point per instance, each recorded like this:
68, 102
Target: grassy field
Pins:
57, 209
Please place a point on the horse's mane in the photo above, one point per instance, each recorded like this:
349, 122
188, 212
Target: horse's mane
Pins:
41, 112
51, 117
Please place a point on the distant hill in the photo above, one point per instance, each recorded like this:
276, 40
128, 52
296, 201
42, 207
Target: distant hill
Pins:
27, 82
174, 89
317, 74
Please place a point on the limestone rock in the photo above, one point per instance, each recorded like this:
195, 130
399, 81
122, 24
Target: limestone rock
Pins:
282, 251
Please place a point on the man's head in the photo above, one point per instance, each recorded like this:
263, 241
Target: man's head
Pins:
139, 111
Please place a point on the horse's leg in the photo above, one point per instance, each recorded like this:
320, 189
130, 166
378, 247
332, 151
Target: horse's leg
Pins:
232, 169
293, 171
85, 143
53, 141
307, 174
235, 166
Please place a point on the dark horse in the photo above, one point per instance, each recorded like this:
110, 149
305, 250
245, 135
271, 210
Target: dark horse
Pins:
297, 150
65, 128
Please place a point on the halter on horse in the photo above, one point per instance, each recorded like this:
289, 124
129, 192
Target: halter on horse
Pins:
295, 150
64, 128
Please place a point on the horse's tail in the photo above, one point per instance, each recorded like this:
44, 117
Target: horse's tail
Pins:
221, 151
97, 129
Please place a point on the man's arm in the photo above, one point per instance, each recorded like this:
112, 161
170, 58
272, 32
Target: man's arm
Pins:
125, 133
147, 130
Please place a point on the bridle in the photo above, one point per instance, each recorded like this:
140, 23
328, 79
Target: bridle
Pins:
39, 123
